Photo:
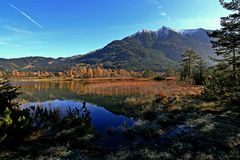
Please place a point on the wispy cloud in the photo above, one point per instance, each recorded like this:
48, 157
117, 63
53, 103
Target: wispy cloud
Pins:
159, 6
157, 3
7, 44
163, 14
25, 15
17, 30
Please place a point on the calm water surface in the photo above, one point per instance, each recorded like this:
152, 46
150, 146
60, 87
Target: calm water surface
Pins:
106, 109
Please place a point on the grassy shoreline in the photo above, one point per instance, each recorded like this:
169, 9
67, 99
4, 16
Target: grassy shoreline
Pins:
80, 80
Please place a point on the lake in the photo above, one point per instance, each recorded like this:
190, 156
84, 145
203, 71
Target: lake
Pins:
109, 102
106, 108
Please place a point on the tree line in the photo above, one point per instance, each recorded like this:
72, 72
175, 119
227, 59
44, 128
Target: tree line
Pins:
78, 71
97, 71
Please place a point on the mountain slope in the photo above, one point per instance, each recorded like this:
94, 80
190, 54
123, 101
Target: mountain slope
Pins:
128, 54
35, 64
155, 50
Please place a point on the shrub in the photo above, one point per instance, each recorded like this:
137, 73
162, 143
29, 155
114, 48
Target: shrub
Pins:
14, 123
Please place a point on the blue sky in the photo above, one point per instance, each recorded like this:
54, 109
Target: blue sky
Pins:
62, 28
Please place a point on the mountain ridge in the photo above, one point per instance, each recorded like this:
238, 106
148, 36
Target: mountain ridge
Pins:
145, 49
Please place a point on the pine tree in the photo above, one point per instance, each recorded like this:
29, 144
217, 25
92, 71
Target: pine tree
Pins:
12, 119
200, 71
228, 38
189, 63
226, 43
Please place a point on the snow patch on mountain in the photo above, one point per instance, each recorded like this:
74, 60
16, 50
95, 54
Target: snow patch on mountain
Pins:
162, 32
189, 32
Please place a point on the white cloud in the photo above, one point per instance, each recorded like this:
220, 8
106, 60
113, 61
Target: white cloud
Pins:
160, 8
163, 14
25, 15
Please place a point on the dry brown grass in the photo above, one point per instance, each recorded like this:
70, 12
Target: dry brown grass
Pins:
117, 87
163, 88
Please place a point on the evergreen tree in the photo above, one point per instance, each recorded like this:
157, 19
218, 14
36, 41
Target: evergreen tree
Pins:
13, 121
190, 65
226, 43
200, 71
8, 94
